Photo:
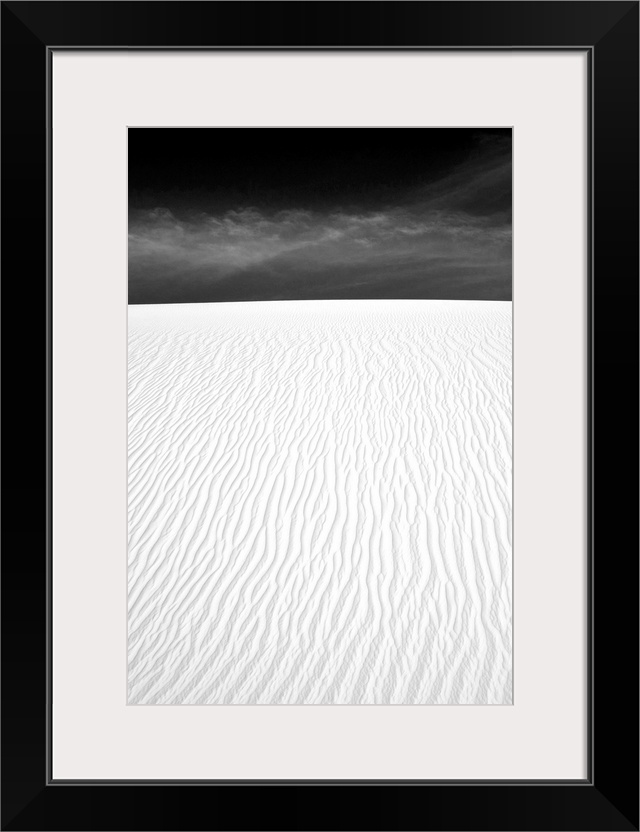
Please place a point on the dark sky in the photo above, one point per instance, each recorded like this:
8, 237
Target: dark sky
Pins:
228, 214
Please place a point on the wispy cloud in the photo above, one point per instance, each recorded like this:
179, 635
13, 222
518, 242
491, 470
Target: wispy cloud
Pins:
458, 228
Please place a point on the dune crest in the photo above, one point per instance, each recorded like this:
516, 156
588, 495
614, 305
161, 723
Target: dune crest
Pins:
320, 503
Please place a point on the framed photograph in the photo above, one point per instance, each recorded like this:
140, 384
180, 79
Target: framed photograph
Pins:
328, 306
313, 329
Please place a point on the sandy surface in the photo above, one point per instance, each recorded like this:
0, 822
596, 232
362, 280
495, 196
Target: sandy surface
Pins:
320, 503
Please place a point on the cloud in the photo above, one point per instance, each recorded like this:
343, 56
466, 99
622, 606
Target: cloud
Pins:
457, 225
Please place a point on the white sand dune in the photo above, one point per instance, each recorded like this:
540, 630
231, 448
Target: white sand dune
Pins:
320, 503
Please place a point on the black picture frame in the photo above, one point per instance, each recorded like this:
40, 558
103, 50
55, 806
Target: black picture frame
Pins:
608, 798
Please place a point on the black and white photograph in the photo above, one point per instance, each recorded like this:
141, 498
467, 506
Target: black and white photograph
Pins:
320, 416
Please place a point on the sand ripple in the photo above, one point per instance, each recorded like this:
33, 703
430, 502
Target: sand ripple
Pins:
320, 503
